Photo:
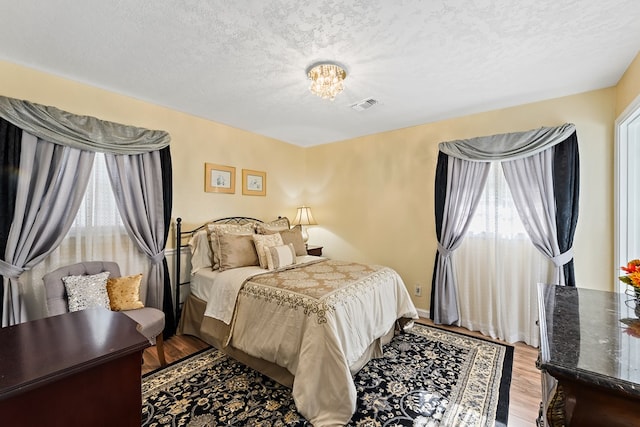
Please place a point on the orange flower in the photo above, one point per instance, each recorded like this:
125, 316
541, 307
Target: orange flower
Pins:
632, 266
633, 273
635, 278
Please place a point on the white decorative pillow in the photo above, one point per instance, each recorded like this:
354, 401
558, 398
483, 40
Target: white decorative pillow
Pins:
276, 225
264, 241
280, 256
201, 256
87, 291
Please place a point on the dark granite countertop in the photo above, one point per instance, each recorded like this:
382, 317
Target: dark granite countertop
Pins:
591, 336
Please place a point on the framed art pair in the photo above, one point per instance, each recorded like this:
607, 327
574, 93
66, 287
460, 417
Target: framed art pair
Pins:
222, 179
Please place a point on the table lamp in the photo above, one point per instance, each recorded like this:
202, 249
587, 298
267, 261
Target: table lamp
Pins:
304, 217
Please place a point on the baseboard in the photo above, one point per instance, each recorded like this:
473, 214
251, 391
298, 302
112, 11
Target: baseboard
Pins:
423, 313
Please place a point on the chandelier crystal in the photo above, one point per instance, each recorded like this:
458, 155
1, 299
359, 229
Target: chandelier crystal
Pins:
326, 79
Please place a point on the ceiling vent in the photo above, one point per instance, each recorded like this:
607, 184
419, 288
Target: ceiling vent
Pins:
364, 104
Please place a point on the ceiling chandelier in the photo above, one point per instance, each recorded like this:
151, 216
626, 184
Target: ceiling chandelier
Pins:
326, 79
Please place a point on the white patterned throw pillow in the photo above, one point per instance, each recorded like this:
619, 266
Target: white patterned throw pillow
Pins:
263, 242
87, 291
280, 256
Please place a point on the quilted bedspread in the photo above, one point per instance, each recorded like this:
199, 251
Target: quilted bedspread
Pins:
317, 320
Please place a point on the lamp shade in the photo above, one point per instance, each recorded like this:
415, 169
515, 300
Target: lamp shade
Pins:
304, 217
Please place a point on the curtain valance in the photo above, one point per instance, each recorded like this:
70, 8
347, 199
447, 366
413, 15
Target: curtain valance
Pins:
81, 132
507, 146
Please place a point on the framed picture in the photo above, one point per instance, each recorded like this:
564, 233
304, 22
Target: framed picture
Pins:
219, 179
254, 183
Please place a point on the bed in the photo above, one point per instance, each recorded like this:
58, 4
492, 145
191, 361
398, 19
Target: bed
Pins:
308, 322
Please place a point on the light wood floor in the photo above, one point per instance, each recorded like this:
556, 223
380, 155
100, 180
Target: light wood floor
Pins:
524, 398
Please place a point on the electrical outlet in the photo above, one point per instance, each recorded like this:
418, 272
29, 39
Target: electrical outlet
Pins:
418, 291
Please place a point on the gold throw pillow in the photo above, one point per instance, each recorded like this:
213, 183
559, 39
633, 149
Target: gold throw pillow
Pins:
124, 292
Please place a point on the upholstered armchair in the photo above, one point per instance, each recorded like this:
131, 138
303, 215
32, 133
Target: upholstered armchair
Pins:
150, 320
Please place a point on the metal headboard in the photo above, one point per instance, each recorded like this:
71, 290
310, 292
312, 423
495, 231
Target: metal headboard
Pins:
180, 235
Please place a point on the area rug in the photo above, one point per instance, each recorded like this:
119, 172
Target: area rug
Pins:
427, 377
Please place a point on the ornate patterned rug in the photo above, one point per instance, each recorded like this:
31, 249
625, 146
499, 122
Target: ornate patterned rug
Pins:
427, 377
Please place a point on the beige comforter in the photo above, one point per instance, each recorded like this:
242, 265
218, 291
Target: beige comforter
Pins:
317, 320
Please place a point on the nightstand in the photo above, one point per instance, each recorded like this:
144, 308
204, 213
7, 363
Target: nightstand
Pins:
314, 250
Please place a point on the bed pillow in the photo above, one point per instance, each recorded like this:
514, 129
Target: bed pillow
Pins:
273, 226
87, 291
201, 255
264, 241
237, 250
280, 256
215, 230
294, 236
124, 292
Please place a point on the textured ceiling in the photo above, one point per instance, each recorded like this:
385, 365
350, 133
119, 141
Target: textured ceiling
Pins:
242, 63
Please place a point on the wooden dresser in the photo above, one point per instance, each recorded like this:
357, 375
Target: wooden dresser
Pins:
75, 369
589, 357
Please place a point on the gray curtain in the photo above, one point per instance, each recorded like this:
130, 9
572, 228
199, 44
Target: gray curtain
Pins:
137, 186
460, 196
82, 132
507, 146
530, 182
51, 184
465, 182
51, 187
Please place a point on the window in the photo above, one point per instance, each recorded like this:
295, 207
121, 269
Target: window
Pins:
98, 212
497, 268
627, 197
627, 212
496, 213
97, 233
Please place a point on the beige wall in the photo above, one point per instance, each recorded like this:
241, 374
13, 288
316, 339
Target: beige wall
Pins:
194, 142
628, 88
373, 196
